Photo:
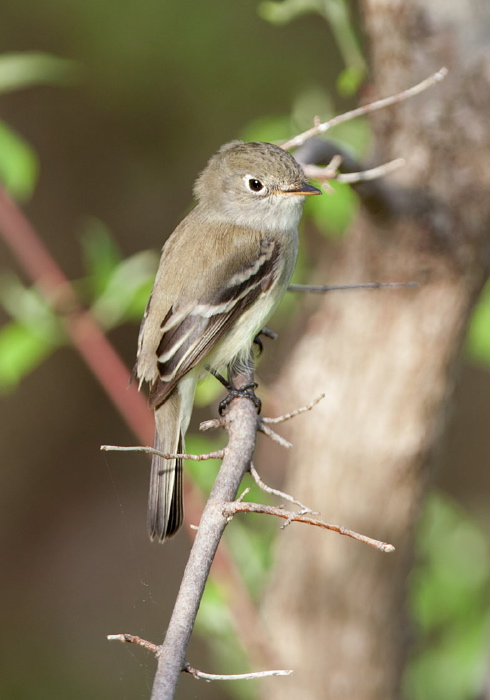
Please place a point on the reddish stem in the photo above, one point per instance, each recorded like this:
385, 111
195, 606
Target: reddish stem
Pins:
85, 334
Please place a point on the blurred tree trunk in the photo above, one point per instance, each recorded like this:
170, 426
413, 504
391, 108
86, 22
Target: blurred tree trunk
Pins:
387, 361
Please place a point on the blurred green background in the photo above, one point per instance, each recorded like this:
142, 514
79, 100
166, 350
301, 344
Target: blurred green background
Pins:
102, 148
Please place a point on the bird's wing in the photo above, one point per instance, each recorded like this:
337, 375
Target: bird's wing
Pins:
190, 333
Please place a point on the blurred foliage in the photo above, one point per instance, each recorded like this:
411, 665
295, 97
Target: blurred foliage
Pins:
215, 622
19, 165
116, 289
21, 70
450, 607
30, 337
18, 162
334, 213
449, 589
478, 337
337, 14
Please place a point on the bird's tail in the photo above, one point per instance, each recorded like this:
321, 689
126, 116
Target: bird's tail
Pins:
165, 506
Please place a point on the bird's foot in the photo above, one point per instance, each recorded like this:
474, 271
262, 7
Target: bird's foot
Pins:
243, 392
258, 340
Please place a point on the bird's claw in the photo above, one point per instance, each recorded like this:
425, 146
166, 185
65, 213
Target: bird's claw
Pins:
243, 392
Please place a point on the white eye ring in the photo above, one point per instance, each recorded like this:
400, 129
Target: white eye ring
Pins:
253, 184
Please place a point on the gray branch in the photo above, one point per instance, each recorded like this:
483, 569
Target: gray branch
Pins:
240, 422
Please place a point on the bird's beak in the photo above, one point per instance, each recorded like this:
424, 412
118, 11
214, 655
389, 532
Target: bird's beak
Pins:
303, 188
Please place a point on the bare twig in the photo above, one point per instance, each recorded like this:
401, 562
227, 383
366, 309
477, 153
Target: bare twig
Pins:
372, 173
323, 174
235, 676
154, 648
296, 412
133, 639
244, 507
323, 127
274, 492
212, 424
342, 287
263, 428
218, 454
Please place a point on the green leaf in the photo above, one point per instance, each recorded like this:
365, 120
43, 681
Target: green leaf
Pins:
478, 337
283, 12
25, 342
334, 212
268, 129
21, 351
127, 290
312, 101
27, 305
18, 164
208, 391
353, 136
349, 80
101, 255
203, 473
20, 70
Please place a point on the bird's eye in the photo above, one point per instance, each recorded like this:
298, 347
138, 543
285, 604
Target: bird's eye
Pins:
255, 185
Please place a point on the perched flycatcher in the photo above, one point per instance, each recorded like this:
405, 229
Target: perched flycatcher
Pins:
222, 273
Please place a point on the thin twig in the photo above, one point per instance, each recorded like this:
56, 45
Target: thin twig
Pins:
296, 412
372, 173
324, 173
218, 454
235, 676
365, 109
154, 648
244, 507
342, 287
211, 424
317, 172
263, 428
134, 639
274, 492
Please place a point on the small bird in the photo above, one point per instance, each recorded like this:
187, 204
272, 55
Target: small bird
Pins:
222, 273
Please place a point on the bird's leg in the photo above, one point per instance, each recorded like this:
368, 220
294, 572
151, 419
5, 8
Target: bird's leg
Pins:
259, 344
258, 341
244, 392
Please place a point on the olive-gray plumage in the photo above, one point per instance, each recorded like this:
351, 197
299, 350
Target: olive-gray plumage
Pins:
222, 273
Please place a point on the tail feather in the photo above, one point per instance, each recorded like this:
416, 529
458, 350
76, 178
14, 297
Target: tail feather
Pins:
176, 513
165, 504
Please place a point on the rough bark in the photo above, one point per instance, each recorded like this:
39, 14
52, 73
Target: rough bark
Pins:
387, 362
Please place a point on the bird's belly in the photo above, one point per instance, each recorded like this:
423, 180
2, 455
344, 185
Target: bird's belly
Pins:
236, 344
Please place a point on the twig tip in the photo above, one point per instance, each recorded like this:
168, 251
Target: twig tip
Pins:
387, 547
441, 74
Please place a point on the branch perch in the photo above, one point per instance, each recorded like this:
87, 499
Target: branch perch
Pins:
300, 517
218, 454
342, 287
134, 639
240, 422
234, 677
